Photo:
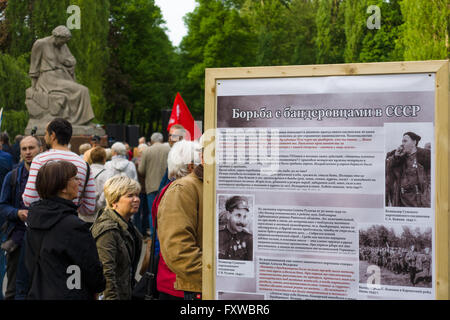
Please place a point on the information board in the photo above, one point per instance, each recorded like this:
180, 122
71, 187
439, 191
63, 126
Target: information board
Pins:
326, 182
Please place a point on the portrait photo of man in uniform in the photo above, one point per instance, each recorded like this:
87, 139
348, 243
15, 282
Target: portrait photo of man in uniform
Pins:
408, 168
235, 235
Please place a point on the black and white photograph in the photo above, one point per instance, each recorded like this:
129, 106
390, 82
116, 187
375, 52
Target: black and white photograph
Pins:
403, 254
235, 227
408, 165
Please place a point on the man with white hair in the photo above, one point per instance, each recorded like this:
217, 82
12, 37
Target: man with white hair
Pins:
119, 163
153, 165
176, 133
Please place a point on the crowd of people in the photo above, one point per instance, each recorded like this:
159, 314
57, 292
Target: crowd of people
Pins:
74, 225
400, 261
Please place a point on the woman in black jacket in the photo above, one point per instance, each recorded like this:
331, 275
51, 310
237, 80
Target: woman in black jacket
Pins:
61, 256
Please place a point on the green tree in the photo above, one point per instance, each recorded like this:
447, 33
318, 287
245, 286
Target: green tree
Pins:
90, 47
380, 44
29, 20
425, 30
354, 26
302, 20
3, 25
330, 40
217, 37
13, 83
142, 64
269, 20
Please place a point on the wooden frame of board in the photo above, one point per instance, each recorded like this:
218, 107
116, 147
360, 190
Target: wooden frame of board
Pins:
442, 138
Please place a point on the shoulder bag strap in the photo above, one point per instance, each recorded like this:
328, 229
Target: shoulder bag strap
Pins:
88, 174
151, 272
99, 174
151, 269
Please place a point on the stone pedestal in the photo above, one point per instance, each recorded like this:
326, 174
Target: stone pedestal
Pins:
89, 130
78, 140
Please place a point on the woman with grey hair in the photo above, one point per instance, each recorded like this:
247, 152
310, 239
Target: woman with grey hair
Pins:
183, 158
119, 163
118, 242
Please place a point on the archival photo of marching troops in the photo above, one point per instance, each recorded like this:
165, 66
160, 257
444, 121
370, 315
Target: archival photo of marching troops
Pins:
403, 254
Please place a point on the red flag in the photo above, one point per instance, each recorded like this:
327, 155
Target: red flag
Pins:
182, 115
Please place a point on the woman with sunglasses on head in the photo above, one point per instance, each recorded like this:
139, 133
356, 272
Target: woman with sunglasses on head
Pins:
61, 256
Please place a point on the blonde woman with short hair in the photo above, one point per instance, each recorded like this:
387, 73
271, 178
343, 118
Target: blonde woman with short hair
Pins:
118, 242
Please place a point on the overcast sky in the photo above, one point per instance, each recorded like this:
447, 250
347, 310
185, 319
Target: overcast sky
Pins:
173, 12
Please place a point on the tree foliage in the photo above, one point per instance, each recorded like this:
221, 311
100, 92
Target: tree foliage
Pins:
380, 44
13, 83
4, 34
140, 77
89, 46
380, 236
269, 21
218, 37
132, 70
330, 38
29, 20
354, 27
425, 31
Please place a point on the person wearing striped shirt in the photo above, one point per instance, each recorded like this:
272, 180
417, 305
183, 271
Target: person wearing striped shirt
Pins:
57, 136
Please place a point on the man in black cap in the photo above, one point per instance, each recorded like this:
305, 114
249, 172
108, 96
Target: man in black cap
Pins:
235, 241
408, 174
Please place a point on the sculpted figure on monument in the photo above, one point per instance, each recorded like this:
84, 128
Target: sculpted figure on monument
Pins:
54, 91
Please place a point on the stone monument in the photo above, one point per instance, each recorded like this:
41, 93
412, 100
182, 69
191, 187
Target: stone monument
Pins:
54, 91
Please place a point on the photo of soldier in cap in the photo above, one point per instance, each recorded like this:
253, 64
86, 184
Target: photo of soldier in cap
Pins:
235, 237
408, 180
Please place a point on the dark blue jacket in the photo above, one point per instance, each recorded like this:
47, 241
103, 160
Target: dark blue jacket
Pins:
9, 206
6, 164
164, 181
